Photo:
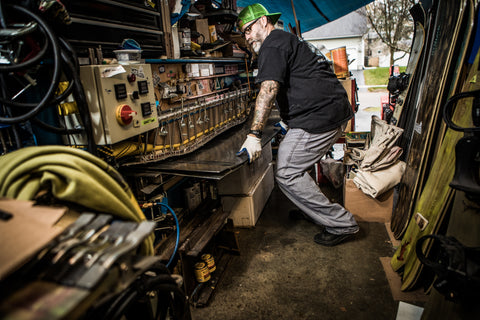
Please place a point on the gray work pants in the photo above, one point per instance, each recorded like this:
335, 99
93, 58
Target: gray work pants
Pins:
297, 152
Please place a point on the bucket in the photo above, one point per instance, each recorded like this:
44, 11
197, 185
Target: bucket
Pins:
340, 62
201, 272
210, 261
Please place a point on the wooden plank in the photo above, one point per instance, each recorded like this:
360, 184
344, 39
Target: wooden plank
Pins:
167, 29
433, 93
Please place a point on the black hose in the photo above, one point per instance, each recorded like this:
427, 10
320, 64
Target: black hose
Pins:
79, 95
54, 129
29, 62
120, 310
70, 71
56, 71
160, 268
55, 100
81, 100
160, 279
67, 46
3, 24
63, 55
180, 306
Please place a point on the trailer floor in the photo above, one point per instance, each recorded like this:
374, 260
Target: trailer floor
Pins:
281, 273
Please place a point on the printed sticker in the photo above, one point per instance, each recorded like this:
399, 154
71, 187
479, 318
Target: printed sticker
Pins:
418, 128
109, 72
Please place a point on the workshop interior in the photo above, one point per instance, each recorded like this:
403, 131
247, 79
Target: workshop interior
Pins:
122, 193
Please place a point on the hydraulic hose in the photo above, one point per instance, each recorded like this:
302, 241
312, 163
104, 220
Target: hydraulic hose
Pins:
178, 231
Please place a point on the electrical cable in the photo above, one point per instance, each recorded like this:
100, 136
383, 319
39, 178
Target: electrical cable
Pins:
178, 231
56, 70
169, 296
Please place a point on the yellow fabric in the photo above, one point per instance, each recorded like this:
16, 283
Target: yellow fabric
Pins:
71, 175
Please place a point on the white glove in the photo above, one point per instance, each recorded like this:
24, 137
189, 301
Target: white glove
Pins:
252, 147
283, 127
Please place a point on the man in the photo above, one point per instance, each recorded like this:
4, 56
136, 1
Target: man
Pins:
315, 107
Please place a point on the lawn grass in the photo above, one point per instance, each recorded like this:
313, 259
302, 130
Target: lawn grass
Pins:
378, 76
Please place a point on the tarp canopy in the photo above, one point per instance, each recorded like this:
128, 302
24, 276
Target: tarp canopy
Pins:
310, 13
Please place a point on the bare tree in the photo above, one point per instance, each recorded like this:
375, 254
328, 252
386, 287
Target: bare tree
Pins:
392, 22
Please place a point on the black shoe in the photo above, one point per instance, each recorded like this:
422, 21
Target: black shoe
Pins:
297, 214
328, 239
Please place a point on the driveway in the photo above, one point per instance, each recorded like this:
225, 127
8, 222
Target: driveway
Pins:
370, 103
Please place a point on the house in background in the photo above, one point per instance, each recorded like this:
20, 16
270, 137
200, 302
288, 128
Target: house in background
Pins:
377, 54
364, 47
348, 31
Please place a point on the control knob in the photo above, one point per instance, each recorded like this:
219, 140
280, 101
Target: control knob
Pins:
125, 114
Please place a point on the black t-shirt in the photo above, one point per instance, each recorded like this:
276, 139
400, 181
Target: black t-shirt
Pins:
310, 95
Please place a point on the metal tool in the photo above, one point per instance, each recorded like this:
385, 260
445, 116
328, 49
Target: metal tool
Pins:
31, 83
115, 234
96, 268
86, 233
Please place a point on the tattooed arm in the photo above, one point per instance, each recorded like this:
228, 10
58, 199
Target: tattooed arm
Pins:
252, 145
263, 106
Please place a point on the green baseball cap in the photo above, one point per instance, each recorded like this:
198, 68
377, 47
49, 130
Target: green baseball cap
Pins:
255, 11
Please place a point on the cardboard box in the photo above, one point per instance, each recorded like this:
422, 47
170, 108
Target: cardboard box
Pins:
25, 230
245, 210
193, 69
206, 69
202, 27
366, 208
213, 33
241, 181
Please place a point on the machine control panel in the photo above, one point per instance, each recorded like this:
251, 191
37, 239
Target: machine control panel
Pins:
121, 100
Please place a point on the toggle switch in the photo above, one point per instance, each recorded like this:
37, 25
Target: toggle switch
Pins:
135, 95
125, 114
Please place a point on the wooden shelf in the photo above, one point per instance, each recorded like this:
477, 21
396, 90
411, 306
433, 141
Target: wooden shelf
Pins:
214, 76
196, 60
206, 94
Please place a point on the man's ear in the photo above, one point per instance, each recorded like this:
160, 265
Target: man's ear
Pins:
263, 20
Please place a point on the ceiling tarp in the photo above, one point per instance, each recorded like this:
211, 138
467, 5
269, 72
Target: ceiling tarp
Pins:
310, 13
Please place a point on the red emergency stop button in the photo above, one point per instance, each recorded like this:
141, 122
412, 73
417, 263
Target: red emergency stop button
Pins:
125, 114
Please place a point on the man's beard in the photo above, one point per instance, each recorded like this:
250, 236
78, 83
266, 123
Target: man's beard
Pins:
256, 46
